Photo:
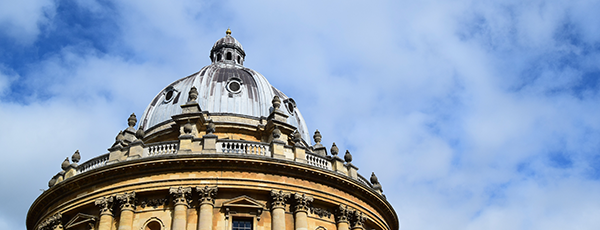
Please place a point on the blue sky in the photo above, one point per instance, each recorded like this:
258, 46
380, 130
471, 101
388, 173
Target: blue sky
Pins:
473, 114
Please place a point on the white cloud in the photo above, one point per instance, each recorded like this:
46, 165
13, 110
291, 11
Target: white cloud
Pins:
21, 19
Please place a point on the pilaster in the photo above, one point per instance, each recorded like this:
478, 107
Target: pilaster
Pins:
106, 216
278, 209
181, 199
207, 200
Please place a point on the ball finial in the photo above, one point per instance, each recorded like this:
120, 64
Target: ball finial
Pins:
228, 32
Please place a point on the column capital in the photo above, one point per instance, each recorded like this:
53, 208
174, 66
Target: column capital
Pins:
105, 204
302, 202
279, 199
126, 200
343, 213
358, 220
181, 195
207, 194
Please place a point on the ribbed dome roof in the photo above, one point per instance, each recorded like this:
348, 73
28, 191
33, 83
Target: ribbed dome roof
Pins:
223, 87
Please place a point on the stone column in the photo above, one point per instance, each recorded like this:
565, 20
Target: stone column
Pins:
127, 201
302, 202
278, 209
181, 198
342, 217
207, 203
106, 215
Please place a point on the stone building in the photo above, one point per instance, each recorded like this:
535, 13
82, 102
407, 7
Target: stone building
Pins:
221, 149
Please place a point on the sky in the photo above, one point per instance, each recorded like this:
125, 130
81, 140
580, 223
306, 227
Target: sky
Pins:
473, 114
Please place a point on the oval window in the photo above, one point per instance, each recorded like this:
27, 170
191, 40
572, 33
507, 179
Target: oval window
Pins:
234, 86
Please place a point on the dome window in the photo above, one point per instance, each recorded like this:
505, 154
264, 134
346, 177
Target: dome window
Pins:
219, 57
229, 57
238, 60
290, 104
234, 85
169, 94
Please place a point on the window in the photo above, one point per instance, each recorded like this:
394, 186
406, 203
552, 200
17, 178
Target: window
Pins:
238, 61
219, 57
241, 224
229, 56
154, 225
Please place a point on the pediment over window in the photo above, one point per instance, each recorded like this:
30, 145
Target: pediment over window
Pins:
243, 204
81, 220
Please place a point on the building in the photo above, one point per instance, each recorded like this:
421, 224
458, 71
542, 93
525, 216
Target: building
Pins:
220, 149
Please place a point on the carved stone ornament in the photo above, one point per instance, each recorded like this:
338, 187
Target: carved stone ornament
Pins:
139, 134
302, 202
276, 133
207, 194
348, 156
155, 203
210, 128
120, 137
276, 102
297, 137
132, 120
126, 200
334, 150
320, 212
375, 182
343, 213
76, 157
358, 219
187, 128
65, 164
53, 222
279, 198
317, 137
193, 95
181, 195
105, 204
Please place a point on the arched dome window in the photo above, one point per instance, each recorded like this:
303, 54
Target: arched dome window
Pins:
219, 57
238, 60
229, 57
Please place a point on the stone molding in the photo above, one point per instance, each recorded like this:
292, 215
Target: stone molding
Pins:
52, 223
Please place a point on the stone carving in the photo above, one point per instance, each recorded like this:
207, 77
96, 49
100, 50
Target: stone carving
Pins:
279, 198
210, 128
65, 165
375, 182
193, 95
51, 223
207, 194
276, 133
76, 157
334, 150
154, 202
105, 204
317, 137
276, 102
297, 137
302, 202
187, 128
132, 120
343, 213
320, 212
127, 200
181, 195
139, 134
358, 219
348, 156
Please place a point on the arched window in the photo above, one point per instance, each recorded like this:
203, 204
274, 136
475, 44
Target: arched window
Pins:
219, 57
229, 56
153, 225
239, 60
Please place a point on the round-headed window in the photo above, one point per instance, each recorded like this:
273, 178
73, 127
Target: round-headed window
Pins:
154, 225
234, 86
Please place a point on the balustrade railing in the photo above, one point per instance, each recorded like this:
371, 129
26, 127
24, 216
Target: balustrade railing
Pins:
243, 147
162, 148
318, 161
93, 163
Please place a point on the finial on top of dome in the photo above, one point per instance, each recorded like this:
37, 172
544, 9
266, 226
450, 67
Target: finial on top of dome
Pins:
228, 32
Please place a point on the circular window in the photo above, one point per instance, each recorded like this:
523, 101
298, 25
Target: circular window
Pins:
290, 104
169, 94
234, 86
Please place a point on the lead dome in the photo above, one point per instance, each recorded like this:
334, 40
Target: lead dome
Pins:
225, 87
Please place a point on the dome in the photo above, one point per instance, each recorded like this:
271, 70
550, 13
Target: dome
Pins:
224, 87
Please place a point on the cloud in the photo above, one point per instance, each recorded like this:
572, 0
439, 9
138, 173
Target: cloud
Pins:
472, 114
21, 20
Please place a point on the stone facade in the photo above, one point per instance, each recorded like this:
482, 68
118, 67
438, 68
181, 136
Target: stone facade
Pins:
202, 170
